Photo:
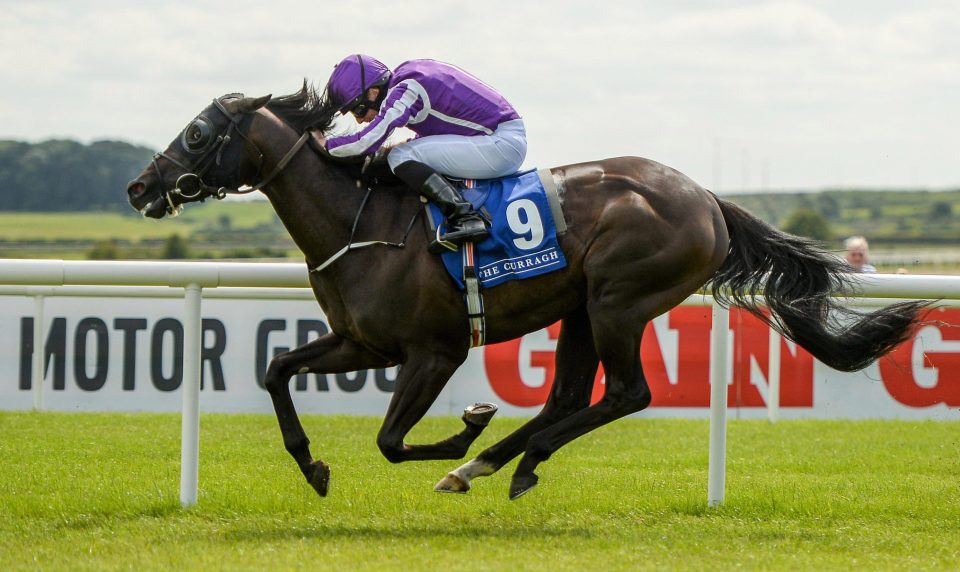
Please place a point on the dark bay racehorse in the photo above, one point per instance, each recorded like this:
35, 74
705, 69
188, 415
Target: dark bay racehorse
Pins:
642, 237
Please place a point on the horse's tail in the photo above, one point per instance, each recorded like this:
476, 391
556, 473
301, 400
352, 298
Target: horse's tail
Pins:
797, 280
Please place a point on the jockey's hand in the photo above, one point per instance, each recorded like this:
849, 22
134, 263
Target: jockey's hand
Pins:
378, 156
319, 142
320, 146
375, 168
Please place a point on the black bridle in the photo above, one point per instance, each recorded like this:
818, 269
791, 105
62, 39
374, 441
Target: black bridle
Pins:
199, 140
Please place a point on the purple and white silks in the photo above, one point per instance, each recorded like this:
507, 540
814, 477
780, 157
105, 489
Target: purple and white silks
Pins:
482, 135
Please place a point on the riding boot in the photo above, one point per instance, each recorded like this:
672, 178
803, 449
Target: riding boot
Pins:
464, 224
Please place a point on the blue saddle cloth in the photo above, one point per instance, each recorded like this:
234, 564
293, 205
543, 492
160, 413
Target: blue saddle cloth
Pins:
523, 237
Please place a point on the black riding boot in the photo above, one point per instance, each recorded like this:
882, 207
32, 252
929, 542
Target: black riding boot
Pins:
464, 224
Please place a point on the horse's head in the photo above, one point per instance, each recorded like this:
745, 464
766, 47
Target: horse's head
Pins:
203, 161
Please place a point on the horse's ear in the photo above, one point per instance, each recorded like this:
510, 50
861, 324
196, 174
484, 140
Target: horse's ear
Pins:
246, 104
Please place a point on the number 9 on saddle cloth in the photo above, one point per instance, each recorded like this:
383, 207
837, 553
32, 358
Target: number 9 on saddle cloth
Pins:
527, 218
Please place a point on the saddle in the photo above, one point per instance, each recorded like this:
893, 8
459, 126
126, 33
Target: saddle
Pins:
527, 220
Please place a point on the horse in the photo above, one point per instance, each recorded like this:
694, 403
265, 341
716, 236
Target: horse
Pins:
641, 237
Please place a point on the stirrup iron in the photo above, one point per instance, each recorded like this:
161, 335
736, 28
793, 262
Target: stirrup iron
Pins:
438, 245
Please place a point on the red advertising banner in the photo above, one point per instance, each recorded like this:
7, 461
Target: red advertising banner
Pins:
925, 370
919, 373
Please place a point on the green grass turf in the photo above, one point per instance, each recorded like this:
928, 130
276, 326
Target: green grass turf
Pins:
101, 492
104, 226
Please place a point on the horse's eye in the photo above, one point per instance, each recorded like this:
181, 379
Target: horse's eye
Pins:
198, 135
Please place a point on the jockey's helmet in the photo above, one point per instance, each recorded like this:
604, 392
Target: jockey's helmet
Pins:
352, 77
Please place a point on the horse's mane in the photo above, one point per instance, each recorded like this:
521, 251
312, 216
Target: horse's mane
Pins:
305, 109
308, 109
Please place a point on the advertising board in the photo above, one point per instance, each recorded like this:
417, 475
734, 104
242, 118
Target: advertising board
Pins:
126, 354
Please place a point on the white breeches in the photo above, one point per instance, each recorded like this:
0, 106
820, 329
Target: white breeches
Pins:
471, 157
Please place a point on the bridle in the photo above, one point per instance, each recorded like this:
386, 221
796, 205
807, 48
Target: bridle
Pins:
198, 140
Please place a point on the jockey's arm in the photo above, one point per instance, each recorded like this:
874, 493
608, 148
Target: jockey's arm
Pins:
400, 105
319, 143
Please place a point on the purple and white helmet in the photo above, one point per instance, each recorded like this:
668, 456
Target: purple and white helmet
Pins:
352, 77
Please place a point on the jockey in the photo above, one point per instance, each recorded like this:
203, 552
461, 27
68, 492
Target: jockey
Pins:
464, 129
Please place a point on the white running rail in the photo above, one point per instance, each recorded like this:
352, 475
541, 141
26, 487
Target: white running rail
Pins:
252, 280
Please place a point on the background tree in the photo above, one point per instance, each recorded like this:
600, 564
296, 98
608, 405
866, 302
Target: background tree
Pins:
828, 206
175, 247
940, 211
105, 250
809, 223
62, 175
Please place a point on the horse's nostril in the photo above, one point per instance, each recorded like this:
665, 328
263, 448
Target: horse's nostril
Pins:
135, 189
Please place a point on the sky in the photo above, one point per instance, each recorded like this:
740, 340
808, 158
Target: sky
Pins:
741, 95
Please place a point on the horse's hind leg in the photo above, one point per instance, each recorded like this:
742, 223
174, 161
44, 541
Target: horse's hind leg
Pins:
576, 369
419, 382
328, 354
618, 345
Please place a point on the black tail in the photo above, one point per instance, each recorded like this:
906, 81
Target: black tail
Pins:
798, 281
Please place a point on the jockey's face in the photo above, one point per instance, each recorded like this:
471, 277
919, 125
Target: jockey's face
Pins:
371, 113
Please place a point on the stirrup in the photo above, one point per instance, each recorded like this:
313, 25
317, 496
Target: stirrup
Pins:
452, 240
439, 245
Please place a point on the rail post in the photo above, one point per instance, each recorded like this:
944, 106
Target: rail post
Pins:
773, 378
190, 418
716, 481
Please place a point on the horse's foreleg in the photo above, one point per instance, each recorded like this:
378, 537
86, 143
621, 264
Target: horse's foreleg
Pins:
576, 369
419, 382
328, 354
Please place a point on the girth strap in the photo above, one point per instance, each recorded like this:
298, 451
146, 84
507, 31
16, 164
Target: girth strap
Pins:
471, 283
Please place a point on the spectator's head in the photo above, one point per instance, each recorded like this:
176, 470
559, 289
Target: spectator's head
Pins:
858, 252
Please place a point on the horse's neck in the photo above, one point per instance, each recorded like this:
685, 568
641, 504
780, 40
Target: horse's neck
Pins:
315, 201
316, 208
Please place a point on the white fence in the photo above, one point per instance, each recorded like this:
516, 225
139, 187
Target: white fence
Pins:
42, 278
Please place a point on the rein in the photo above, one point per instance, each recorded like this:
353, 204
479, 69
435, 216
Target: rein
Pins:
358, 245
213, 156
211, 153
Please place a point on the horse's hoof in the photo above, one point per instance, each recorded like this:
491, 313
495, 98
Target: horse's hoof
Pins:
522, 485
452, 484
319, 477
479, 413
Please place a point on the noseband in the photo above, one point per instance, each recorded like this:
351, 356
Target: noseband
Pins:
210, 153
